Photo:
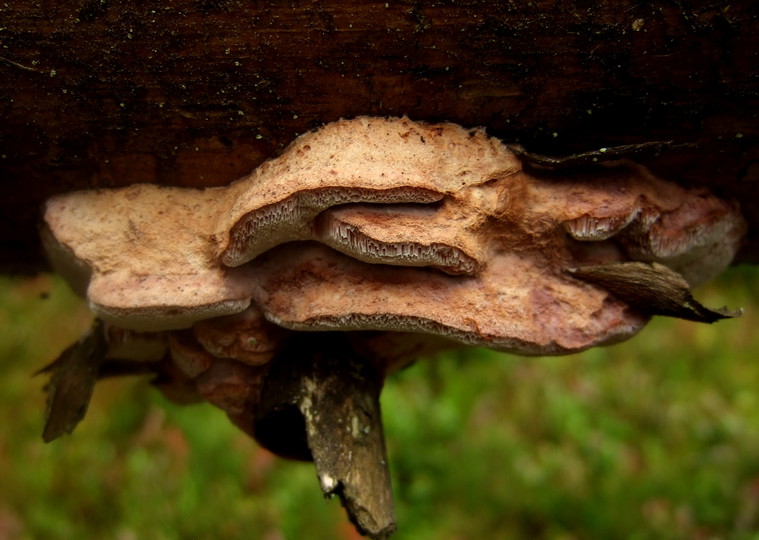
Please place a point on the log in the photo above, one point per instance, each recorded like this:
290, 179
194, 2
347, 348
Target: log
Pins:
197, 93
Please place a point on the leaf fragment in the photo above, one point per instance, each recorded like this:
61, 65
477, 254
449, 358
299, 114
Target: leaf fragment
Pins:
594, 157
651, 288
72, 379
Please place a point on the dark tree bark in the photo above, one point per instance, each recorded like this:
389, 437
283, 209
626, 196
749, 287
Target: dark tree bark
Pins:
194, 93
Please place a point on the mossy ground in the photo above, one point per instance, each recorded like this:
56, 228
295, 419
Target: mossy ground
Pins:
654, 438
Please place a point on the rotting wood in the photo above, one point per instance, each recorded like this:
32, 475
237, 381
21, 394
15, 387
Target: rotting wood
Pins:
320, 402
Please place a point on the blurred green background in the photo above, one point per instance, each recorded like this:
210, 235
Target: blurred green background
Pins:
654, 438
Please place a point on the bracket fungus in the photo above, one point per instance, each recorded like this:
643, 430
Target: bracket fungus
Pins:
366, 244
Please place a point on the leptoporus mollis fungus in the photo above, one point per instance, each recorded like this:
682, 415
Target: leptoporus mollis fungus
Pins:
287, 297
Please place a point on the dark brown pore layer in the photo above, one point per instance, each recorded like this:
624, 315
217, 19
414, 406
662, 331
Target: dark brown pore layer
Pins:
195, 93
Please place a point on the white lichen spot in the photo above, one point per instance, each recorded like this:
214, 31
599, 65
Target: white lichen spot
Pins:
310, 386
637, 24
355, 427
328, 483
53, 73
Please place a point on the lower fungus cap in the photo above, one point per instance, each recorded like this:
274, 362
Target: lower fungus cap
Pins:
511, 305
391, 225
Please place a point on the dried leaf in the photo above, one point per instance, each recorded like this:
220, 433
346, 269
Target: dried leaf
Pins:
651, 288
594, 157
72, 380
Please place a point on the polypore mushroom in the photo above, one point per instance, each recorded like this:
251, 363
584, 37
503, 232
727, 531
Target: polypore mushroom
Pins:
408, 237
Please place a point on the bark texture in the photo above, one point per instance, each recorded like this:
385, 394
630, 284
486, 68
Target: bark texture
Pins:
195, 93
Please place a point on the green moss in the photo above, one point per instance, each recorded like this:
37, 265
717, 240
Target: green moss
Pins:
654, 438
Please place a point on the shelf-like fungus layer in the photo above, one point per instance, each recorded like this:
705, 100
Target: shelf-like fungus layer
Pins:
391, 225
